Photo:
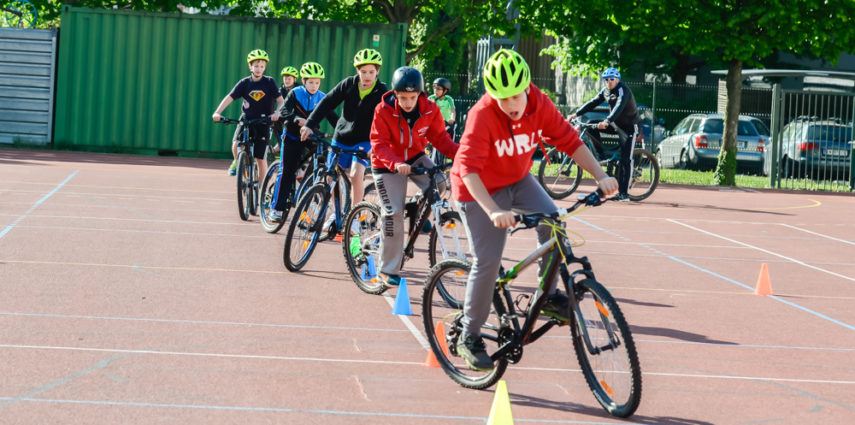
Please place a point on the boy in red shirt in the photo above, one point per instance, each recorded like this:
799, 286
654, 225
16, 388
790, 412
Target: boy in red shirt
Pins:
404, 122
491, 177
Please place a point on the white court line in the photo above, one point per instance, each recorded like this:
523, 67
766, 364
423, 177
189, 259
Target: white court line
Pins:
408, 323
39, 202
817, 234
763, 250
401, 363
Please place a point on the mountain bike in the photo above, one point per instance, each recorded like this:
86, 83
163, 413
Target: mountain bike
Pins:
601, 336
363, 225
247, 168
268, 189
329, 190
560, 175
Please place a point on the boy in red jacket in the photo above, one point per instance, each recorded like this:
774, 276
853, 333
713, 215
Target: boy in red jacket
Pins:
491, 177
404, 122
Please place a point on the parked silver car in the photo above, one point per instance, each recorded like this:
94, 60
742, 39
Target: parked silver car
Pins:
696, 142
816, 148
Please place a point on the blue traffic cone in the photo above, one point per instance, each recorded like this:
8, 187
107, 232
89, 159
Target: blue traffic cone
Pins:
402, 300
369, 271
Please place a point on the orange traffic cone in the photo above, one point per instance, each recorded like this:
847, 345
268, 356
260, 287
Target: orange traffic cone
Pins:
339, 237
764, 285
431, 360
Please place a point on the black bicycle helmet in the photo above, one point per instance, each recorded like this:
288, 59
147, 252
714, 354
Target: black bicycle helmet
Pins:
407, 78
443, 82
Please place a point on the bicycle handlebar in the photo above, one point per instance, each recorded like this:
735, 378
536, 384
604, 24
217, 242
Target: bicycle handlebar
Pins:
527, 221
594, 126
361, 154
262, 120
429, 170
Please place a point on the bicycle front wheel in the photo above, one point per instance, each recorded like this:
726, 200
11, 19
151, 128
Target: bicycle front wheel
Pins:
244, 186
560, 176
605, 349
305, 228
645, 175
361, 246
443, 326
266, 199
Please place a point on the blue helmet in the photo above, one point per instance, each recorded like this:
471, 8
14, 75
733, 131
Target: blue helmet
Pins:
611, 72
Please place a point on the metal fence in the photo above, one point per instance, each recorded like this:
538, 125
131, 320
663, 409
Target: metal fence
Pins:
812, 141
27, 58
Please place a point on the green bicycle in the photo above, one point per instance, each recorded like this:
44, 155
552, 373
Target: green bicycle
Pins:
601, 337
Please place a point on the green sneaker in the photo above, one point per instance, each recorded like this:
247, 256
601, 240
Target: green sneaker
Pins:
233, 168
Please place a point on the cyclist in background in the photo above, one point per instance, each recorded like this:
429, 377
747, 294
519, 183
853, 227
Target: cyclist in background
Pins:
624, 114
298, 105
491, 181
289, 80
360, 94
259, 93
403, 124
441, 87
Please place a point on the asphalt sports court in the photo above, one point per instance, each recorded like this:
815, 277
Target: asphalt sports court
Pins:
132, 293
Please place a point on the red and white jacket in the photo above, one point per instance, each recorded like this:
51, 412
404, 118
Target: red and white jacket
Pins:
393, 142
500, 150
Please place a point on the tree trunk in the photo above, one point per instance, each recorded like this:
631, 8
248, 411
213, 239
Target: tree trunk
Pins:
725, 172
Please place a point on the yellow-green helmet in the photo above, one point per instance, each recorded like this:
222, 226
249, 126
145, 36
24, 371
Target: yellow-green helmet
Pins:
257, 54
366, 56
290, 70
506, 74
312, 70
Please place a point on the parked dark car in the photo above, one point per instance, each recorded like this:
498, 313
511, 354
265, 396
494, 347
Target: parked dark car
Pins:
696, 142
816, 148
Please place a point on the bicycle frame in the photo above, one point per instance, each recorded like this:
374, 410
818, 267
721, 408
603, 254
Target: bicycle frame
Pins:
429, 202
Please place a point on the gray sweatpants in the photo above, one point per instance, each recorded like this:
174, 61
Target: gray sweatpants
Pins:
488, 242
392, 189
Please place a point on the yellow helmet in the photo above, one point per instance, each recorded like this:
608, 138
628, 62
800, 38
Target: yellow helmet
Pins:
289, 70
366, 56
257, 54
312, 70
506, 74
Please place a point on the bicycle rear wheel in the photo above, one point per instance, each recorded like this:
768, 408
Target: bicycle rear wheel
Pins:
361, 246
645, 175
244, 186
442, 325
607, 356
560, 176
266, 199
305, 227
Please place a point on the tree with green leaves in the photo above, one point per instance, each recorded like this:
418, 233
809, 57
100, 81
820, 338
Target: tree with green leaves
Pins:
661, 34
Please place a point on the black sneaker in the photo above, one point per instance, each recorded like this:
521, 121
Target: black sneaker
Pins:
622, 197
474, 352
557, 306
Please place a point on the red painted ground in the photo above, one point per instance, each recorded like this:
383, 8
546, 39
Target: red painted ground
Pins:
134, 294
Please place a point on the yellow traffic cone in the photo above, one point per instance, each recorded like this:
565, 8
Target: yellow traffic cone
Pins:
500, 413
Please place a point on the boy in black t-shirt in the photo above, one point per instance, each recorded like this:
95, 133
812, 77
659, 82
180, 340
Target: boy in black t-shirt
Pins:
258, 92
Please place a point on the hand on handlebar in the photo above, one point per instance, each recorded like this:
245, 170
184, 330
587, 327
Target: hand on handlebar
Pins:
402, 169
602, 125
503, 219
571, 117
216, 117
305, 133
608, 185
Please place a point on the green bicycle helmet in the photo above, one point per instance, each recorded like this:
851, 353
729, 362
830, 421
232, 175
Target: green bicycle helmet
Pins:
366, 56
506, 74
257, 54
290, 70
312, 70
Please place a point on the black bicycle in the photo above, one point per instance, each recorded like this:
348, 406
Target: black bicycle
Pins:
247, 168
560, 175
601, 337
329, 193
363, 225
